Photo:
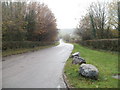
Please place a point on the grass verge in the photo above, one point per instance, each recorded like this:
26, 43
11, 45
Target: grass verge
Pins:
24, 50
107, 64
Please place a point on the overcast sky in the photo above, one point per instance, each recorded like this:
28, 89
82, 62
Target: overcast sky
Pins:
67, 12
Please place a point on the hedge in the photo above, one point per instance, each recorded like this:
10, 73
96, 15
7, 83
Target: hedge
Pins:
105, 44
23, 44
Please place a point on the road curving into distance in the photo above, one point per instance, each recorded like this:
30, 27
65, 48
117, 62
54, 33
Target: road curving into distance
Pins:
39, 69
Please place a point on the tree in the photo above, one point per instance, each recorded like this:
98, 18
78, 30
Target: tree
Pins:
67, 38
114, 17
118, 3
96, 24
84, 28
30, 21
98, 19
113, 14
13, 26
41, 22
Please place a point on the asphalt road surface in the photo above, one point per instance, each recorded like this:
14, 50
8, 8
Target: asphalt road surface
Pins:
39, 69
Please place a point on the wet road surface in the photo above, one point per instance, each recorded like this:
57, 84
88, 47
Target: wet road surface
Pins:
39, 69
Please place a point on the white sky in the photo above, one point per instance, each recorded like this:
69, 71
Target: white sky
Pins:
68, 12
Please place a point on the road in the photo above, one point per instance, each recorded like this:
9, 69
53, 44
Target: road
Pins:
39, 69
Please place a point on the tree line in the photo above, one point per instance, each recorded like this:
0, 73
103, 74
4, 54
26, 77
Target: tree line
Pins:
28, 21
102, 21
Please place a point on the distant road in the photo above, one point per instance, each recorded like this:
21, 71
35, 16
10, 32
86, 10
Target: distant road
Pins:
39, 69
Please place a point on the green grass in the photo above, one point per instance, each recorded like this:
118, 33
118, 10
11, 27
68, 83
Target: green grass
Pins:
24, 50
106, 62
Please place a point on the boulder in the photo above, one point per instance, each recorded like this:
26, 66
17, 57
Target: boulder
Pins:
82, 60
78, 60
75, 54
88, 70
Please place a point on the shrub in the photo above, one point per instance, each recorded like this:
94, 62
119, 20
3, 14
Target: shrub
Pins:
22, 44
106, 44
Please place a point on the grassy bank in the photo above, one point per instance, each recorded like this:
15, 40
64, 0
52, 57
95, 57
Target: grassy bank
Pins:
24, 50
107, 64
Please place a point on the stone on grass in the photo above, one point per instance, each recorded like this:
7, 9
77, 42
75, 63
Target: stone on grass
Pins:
88, 70
82, 60
75, 54
78, 60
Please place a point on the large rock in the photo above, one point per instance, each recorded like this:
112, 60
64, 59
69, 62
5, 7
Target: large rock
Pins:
88, 70
75, 54
82, 60
78, 60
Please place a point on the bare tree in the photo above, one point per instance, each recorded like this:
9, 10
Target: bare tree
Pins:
84, 28
118, 3
98, 19
96, 24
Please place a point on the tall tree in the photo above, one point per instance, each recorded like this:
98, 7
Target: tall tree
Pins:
98, 22
98, 18
118, 3
113, 14
31, 20
13, 21
84, 29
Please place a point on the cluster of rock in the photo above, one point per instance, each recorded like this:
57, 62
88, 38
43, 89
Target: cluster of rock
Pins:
78, 60
86, 70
